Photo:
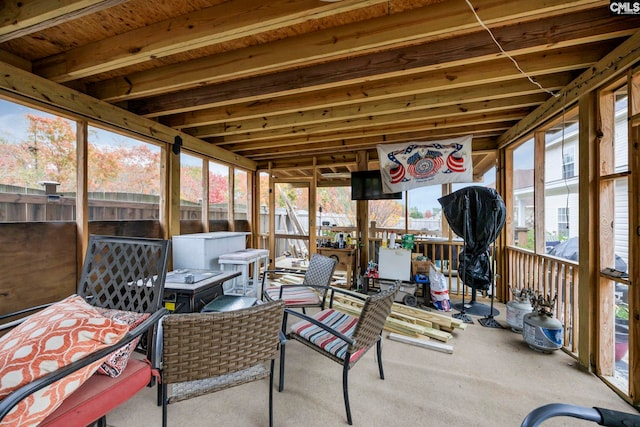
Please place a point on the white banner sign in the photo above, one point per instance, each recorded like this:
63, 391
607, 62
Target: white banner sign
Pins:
417, 164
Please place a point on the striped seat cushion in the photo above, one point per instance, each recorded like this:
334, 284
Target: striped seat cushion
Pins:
336, 320
294, 296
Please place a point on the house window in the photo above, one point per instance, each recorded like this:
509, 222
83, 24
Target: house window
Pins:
563, 222
568, 165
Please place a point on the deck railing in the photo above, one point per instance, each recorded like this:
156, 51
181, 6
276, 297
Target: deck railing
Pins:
548, 276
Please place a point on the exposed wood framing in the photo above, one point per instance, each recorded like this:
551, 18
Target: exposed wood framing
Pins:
14, 81
605, 248
587, 293
612, 65
20, 18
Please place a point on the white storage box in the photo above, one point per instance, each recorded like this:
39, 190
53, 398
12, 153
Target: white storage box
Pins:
394, 264
202, 250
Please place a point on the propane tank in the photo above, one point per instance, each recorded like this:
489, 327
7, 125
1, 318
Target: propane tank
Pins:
542, 333
517, 308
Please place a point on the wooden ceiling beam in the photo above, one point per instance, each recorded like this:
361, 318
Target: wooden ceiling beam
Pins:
449, 19
350, 140
429, 85
231, 21
406, 119
403, 105
21, 18
343, 159
460, 77
480, 132
589, 26
309, 151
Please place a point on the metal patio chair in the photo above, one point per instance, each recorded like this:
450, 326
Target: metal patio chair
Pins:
341, 337
311, 292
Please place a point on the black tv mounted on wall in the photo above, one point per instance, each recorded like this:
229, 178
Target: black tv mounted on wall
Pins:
367, 185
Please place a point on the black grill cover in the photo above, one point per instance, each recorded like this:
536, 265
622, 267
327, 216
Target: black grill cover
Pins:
485, 219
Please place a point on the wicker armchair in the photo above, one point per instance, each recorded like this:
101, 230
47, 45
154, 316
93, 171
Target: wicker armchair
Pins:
341, 337
208, 352
312, 291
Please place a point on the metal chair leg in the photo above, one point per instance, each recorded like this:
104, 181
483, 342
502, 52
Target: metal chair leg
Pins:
281, 376
164, 404
379, 351
345, 387
273, 363
283, 341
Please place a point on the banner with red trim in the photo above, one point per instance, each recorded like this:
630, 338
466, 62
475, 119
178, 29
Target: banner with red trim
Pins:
417, 164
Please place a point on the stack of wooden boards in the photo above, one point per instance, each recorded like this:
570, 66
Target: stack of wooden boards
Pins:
415, 326
427, 329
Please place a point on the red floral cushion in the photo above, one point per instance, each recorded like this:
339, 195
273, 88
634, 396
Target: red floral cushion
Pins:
117, 361
50, 339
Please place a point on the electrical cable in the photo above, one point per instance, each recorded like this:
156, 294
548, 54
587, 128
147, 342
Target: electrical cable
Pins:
482, 24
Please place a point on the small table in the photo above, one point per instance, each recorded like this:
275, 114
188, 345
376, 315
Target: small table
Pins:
345, 258
244, 259
182, 297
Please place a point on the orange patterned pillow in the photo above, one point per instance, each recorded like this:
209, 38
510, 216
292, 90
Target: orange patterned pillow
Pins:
50, 339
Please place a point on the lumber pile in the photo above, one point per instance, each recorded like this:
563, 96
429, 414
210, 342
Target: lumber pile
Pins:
410, 325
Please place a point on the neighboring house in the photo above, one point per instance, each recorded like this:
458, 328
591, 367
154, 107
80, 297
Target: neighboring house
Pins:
561, 186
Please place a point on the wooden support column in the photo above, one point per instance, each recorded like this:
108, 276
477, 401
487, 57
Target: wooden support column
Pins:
444, 225
502, 281
634, 235
272, 219
586, 292
362, 217
313, 209
231, 204
205, 196
82, 202
170, 204
256, 190
538, 192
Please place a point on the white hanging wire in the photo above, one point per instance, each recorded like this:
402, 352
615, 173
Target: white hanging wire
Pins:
506, 54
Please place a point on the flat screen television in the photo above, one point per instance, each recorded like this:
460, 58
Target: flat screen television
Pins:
367, 185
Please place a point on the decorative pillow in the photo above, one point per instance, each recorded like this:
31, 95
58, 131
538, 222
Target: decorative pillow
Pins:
117, 361
51, 339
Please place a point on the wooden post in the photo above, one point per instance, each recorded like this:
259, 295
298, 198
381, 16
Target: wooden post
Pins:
82, 202
204, 209
538, 193
586, 293
634, 234
362, 218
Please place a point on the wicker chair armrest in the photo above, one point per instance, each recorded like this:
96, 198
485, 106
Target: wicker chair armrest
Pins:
320, 325
18, 395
